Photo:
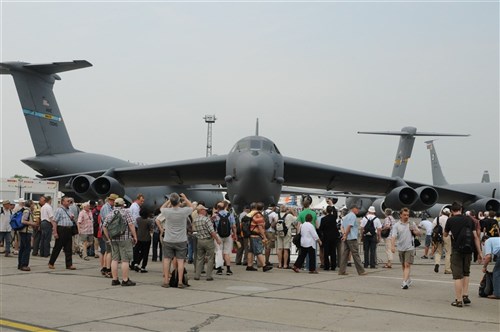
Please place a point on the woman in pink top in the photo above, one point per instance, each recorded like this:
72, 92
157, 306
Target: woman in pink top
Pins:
85, 229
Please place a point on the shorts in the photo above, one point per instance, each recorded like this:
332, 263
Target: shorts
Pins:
428, 239
175, 249
407, 256
227, 245
122, 251
87, 237
460, 264
284, 242
108, 247
257, 247
271, 240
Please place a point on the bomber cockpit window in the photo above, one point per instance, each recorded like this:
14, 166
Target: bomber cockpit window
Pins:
276, 149
255, 145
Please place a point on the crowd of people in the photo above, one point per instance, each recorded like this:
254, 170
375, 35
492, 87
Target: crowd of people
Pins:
183, 232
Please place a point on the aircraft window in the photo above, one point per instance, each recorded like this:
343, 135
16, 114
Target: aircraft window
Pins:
276, 149
267, 146
255, 145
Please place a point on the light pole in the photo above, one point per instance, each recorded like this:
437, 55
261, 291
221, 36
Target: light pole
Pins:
209, 119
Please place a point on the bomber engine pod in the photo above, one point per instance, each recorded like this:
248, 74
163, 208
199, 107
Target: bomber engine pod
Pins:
485, 204
435, 211
82, 186
401, 197
427, 197
379, 205
106, 185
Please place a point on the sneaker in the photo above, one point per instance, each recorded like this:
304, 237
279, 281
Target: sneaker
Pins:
210, 279
251, 268
219, 272
465, 299
409, 282
267, 268
128, 283
404, 285
143, 270
424, 257
229, 273
436, 268
115, 282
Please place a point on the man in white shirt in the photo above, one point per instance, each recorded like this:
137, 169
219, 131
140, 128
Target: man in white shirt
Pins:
270, 232
446, 244
5, 229
426, 225
47, 217
135, 208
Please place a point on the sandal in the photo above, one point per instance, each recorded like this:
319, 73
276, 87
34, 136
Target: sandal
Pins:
386, 266
457, 303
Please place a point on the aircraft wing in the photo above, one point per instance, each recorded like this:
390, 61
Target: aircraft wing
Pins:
301, 173
209, 170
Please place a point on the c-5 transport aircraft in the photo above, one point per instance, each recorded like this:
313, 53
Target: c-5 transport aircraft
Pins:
254, 169
484, 188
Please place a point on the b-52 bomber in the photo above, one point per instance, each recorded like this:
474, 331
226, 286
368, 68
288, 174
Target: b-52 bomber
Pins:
254, 169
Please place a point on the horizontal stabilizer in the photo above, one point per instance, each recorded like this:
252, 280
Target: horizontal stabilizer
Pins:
46, 68
404, 133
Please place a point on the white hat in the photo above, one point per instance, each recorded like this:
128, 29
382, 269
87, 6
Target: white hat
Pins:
371, 209
119, 202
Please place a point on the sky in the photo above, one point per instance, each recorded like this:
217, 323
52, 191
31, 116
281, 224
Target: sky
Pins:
313, 73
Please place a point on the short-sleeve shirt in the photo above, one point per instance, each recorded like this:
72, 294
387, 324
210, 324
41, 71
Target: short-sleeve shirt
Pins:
492, 246
127, 218
176, 223
86, 222
427, 226
204, 227
46, 212
257, 220
63, 217
455, 224
376, 222
404, 238
350, 219
302, 216
27, 216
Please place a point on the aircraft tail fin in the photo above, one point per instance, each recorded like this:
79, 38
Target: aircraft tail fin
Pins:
34, 84
438, 178
486, 177
405, 147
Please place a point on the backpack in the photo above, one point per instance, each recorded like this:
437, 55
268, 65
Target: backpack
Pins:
369, 229
245, 227
465, 240
174, 279
493, 231
281, 229
224, 226
16, 220
437, 233
486, 285
116, 226
266, 219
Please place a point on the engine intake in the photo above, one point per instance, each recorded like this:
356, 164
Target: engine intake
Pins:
82, 186
401, 197
427, 197
485, 204
106, 185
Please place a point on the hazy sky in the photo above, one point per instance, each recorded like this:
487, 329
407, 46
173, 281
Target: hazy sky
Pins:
313, 73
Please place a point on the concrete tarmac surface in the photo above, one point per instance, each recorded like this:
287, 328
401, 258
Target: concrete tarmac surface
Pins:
279, 300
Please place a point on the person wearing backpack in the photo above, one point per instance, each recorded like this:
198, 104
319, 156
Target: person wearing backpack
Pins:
5, 229
242, 252
444, 245
492, 253
370, 236
463, 238
226, 229
270, 218
25, 236
121, 243
283, 227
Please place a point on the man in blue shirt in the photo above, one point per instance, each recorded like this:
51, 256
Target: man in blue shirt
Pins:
492, 253
350, 242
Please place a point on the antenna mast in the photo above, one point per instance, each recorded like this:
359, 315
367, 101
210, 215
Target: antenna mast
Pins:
209, 119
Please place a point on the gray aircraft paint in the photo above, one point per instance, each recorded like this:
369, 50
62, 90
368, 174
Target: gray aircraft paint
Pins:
254, 170
55, 154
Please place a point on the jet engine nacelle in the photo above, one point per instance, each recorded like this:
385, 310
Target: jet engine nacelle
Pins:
401, 197
426, 198
379, 205
106, 185
362, 203
485, 204
435, 211
82, 186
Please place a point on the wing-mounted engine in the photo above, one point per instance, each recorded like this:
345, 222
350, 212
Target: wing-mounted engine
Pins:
379, 205
82, 186
400, 197
105, 185
484, 204
435, 211
426, 198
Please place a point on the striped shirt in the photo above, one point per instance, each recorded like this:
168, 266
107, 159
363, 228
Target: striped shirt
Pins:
204, 227
63, 217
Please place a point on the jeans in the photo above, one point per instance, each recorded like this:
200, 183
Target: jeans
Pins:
6, 238
37, 234
45, 239
496, 278
23, 260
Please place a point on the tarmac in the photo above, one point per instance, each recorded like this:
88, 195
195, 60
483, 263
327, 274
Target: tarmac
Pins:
279, 300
